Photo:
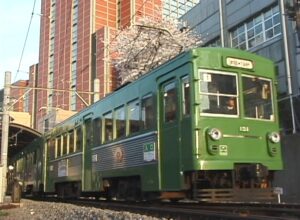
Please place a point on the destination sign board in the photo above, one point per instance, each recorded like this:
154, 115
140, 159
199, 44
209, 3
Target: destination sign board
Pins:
234, 62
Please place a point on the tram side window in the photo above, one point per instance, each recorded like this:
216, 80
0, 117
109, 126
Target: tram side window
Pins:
186, 95
78, 139
20, 165
148, 114
71, 141
51, 148
120, 122
170, 102
218, 93
58, 146
28, 159
97, 131
65, 143
108, 126
34, 159
257, 96
133, 111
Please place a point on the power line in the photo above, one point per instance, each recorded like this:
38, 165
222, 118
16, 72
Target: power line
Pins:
23, 49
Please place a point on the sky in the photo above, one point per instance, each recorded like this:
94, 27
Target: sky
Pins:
14, 24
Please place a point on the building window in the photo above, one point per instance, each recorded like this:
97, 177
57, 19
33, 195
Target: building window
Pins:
214, 43
177, 8
73, 98
119, 14
257, 30
50, 101
74, 53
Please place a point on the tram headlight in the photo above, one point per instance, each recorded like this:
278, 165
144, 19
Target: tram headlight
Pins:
274, 137
215, 134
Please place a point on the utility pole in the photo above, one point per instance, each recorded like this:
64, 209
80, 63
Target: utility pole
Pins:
287, 63
4, 140
223, 23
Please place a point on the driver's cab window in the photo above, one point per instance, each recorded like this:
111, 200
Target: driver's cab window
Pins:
218, 93
257, 96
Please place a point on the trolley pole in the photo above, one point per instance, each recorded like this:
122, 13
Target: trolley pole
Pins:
4, 140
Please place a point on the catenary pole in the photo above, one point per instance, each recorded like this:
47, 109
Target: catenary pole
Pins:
287, 63
4, 140
221, 12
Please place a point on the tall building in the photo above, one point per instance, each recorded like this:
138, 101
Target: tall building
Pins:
17, 100
30, 97
177, 8
74, 39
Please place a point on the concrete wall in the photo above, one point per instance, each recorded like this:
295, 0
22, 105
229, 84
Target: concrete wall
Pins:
289, 177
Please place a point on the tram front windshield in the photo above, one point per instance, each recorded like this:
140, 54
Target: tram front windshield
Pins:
257, 96
218, 93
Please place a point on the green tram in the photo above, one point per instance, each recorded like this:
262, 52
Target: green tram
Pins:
202, 126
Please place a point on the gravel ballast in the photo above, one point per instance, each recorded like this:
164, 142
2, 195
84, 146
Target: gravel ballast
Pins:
37, 210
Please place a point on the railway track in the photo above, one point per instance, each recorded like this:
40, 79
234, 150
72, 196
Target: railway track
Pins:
191, 211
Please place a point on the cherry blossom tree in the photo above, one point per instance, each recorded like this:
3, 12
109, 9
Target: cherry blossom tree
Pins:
147, 44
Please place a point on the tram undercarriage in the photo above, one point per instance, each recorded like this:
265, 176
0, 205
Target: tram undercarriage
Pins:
247, 182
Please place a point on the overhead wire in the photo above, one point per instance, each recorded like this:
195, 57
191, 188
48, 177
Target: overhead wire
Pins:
25, 42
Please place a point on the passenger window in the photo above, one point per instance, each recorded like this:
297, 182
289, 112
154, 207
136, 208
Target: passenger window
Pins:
148, 115
108, 126
65, 144
133, 110
186, 95
51, 148
120, 122
170, 102
78, 139
97, 131
58, 146
71, 141
34, 159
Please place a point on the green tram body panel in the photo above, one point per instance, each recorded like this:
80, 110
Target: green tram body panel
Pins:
161, 156
244, 140
28, 167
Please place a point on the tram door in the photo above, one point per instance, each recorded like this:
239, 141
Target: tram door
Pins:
169, 136
87, 155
